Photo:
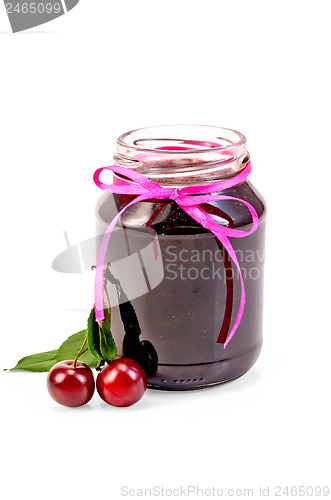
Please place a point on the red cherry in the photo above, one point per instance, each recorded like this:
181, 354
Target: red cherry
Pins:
69, 385
122, 383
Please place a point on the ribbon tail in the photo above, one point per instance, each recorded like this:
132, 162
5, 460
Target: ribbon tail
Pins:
98, 285
227, 244
228, 275
198, 214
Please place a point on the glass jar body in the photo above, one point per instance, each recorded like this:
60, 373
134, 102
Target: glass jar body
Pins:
178, 308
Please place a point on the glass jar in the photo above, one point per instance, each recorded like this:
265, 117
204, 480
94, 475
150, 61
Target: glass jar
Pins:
173, 289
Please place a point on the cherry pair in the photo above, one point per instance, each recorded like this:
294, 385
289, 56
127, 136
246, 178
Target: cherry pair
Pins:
121, 383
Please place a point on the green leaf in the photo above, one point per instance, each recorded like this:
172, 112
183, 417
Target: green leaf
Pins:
100, 346
41, 362
88, 358
106, 320
107, 344
44, 361
100, 339
71, 346
93, 338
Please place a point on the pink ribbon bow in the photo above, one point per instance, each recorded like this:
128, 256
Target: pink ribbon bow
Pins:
189, 199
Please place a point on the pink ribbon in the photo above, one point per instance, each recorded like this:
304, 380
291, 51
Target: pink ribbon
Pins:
189, 199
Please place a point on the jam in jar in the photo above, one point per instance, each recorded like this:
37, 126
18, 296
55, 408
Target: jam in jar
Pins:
174, 291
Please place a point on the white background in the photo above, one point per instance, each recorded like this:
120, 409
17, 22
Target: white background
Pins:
67, 90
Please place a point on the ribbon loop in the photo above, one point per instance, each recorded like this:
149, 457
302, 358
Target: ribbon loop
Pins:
188, 199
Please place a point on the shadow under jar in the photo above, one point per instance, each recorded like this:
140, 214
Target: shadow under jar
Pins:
173, 289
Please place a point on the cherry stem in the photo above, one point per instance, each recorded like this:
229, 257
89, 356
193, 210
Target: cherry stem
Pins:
79, 352
105, 293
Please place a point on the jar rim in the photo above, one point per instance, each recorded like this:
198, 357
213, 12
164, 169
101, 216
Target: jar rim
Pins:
183, 154
121, 141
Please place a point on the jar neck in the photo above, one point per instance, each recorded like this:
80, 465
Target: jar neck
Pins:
183, 154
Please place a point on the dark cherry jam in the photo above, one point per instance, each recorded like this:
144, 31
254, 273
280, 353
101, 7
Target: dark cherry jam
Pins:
174, 290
